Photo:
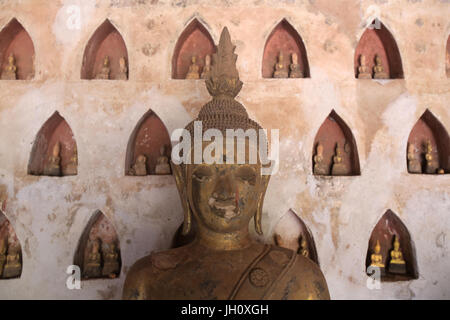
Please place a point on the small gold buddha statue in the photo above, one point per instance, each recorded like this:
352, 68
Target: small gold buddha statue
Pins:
397, 264
304, 251
72, 167
338, 168
207, 68
3, 247
295, 71
53, 167
10, 70
376, 259
162, 163
123, 70
431, 164
363, 69
13, 266
92, 265
104, 71
193, 72
378, 69
222, 198
140, 166
111, 265
414, 165
320, 168
280, 68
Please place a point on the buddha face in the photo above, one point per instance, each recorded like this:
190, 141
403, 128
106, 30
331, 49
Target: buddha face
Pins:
11, 59
224, 197
378, 60
194, 59
363, 60
141, 159
319, 150
294, 58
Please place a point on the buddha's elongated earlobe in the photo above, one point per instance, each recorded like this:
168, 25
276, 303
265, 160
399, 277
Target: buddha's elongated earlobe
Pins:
179, 179
263, 187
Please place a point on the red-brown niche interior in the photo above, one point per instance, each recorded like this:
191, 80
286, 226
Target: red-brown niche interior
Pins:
388, 226
286, 39
332, 131
106, 41
379, 41
16, 40
147, 138
428, 127
195, 40
99, 227
54, 129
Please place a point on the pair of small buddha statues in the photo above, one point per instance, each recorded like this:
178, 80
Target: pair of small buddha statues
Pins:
53, 166
102, 260
338, 168
396, 264
10, 256
194, 68
162, 164
10, 70
364, 71
105, 71
281, 71
415, 164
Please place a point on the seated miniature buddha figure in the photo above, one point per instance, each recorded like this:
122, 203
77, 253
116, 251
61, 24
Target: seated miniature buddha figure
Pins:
10, 71
414, 165
194, 69
162, 163
431, 164
363, 69
92, 265
295, 71
397, 264
223, 262
320, 168
104, 71
304, 251
13, 266
338, 168
71, 168
123, 70
53, 166
378, 69
207, 68
111, 265
280, 69
140, 166
376, 259
3, 248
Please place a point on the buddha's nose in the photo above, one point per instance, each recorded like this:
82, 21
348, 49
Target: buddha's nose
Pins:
224, 189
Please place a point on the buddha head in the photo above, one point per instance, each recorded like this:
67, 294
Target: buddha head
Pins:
194, 59
319, 150
294, 58
56, 150
378, 60
224, 194
410, 148
362, 60
141, 159
95, 246
377, 247
280, 57
208, 60
106, 61
429, 146
396, 244
122, 63
11, 59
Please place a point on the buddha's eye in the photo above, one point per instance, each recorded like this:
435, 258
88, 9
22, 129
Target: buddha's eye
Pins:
202, 173
247, 174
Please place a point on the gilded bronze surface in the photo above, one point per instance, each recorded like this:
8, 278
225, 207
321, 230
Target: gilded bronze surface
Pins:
223, 262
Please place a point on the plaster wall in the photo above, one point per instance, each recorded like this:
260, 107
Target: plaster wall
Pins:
49, 214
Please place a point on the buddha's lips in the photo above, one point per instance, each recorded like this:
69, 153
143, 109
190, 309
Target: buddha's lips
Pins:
224, 208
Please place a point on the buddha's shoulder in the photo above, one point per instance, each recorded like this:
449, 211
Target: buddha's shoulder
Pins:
145, 271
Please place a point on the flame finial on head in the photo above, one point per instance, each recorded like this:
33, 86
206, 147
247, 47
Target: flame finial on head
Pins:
224, 77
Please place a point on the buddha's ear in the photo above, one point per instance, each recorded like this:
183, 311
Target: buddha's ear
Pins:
181, 186
262, 192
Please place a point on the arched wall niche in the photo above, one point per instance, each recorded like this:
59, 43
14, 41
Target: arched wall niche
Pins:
147, 138
447, 58
98, 252
388, 227
332, 132
106, 41
292, 233
195, 40
428, 128
15, 40
379, 41
55, 131
286, 39
10, 250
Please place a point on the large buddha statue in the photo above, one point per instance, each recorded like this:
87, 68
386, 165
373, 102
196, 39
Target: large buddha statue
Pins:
223, 262
414, 165
53, 166
10, 71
